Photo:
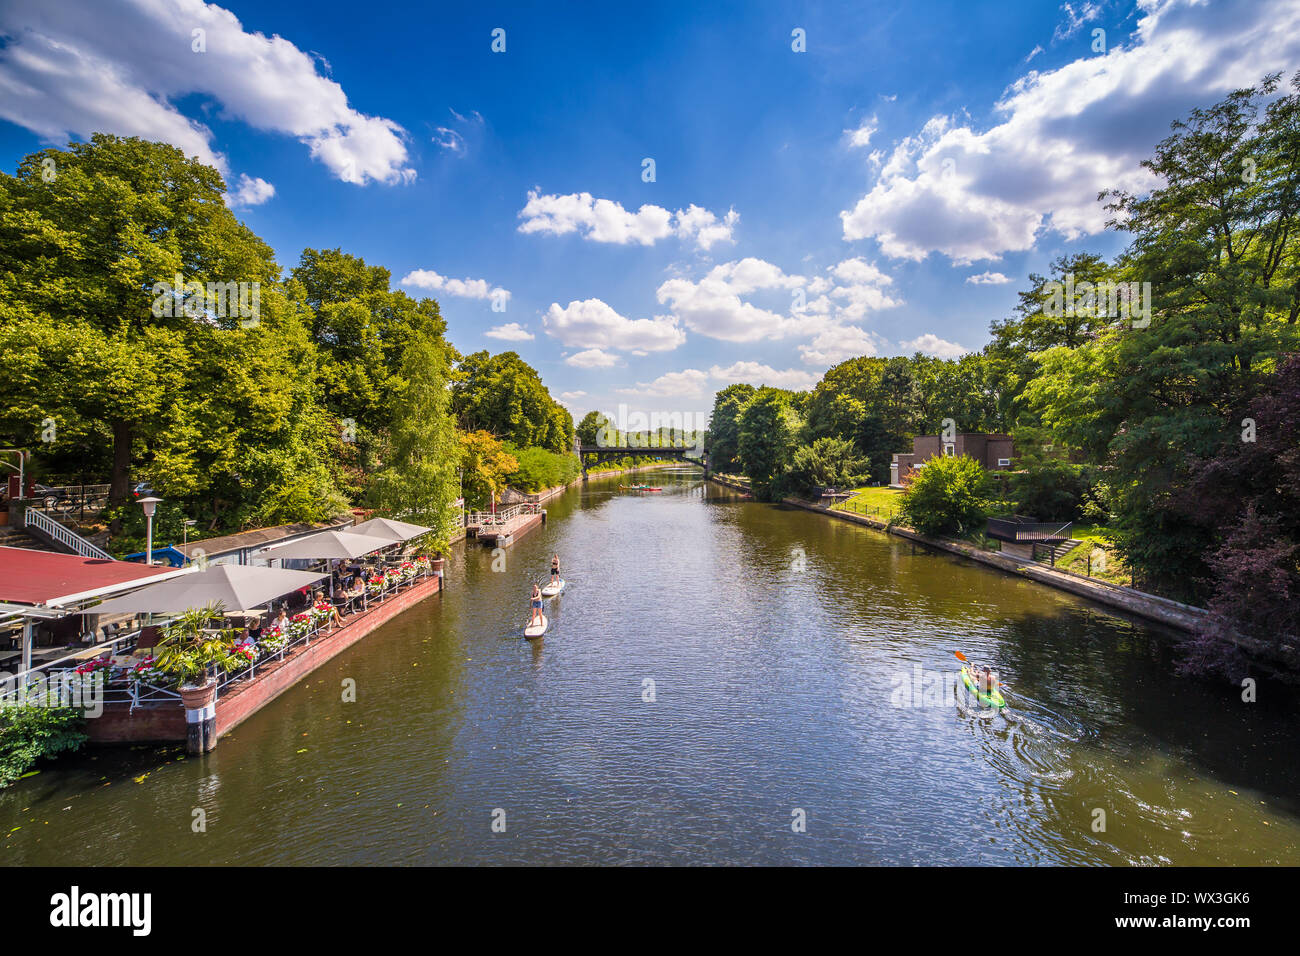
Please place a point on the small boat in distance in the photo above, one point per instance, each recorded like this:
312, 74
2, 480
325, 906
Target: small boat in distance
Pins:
637, 488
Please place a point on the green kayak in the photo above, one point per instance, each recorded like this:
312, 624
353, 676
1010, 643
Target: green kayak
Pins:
994, 699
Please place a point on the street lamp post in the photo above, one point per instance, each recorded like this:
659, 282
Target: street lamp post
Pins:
148, 504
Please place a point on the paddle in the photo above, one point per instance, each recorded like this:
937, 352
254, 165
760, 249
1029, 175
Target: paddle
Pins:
962, 657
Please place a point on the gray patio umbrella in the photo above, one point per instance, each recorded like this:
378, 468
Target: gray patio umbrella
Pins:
388, 528
232, 585
328, 544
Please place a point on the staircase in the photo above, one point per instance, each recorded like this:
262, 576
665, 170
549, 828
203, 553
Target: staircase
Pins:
18, 538
1051, 553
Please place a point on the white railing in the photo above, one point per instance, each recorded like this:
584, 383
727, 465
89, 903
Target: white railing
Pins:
65, 536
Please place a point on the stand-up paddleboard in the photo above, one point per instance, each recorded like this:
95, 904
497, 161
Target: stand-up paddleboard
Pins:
550, 590
537, 630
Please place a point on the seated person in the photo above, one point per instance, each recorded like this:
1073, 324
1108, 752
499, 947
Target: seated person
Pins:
334, 619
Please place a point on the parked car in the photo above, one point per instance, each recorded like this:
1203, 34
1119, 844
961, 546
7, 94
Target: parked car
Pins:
47, 496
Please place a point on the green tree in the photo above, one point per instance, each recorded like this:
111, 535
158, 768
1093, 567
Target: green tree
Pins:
420, 481
504, 395
826, 463
723, 438
486, 467
947, 496
769, 430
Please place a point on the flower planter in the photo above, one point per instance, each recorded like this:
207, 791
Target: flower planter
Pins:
200, 716
196, 698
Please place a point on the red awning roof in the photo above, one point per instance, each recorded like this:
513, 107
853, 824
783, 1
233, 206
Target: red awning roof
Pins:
42, 577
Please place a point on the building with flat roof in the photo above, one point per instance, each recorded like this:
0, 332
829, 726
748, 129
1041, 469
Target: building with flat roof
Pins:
994, 452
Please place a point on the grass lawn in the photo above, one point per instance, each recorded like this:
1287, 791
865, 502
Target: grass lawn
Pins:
879, 502
1096, 537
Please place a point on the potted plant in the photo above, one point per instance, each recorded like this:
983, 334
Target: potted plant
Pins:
195, 653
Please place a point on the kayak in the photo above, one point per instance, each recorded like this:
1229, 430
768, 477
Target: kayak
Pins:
551, 590
994, 699
637, 488
537, 630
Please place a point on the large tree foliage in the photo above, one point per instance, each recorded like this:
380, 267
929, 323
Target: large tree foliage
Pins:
421, 481
504, 395
769, 428
1217, 240
826, 463
723, 439
87, 233
486, 466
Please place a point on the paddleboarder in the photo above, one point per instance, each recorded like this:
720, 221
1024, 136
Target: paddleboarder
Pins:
537, 606
555, 569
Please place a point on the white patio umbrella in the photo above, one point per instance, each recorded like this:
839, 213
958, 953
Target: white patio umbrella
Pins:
231, 585
388, 528
328, 544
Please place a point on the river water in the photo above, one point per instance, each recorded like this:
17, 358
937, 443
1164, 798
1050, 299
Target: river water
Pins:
723, 682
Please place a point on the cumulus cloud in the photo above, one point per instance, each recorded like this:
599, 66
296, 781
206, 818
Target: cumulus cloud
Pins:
931, 344
250, 191
69, 69
719, 304
465, 288
862, 135
1067, 134
573, 396
688, 383
592, 324
988, 278
510, 332
756, 374
592, 358
840, 343
604, 220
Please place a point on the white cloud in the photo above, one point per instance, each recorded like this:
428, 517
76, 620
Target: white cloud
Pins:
756, 374
465, 288
688, 383
1075, 19
718, 305
592, 358
837, 344
1067, 134
510, 332
250, 191
73, 68
931, 344
573, 396
988, 278
862, 135
604, 220
592, 324
449, 139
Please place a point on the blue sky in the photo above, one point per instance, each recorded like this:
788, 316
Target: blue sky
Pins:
887, 190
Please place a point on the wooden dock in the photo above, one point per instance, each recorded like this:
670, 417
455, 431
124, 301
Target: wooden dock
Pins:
502, 528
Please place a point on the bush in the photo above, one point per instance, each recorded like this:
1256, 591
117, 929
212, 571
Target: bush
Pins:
539, 468
948, 496
1051, 490
826, 463
30, 733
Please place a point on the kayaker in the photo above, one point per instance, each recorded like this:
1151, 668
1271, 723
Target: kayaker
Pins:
988, 681
537, 606
555, 569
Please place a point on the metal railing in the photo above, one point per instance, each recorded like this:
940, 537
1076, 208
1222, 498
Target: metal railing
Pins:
1016, 530
32, 518
487, 519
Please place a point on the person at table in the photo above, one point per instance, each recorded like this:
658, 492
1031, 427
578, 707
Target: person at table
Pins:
334, 619
281, 621
536, 601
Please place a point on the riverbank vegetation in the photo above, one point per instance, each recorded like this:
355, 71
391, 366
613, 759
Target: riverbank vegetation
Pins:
1159, 399
149, 335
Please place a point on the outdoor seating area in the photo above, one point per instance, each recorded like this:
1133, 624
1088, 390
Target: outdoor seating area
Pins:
267, 612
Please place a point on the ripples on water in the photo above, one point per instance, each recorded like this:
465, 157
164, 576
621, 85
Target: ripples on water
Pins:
772, 638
